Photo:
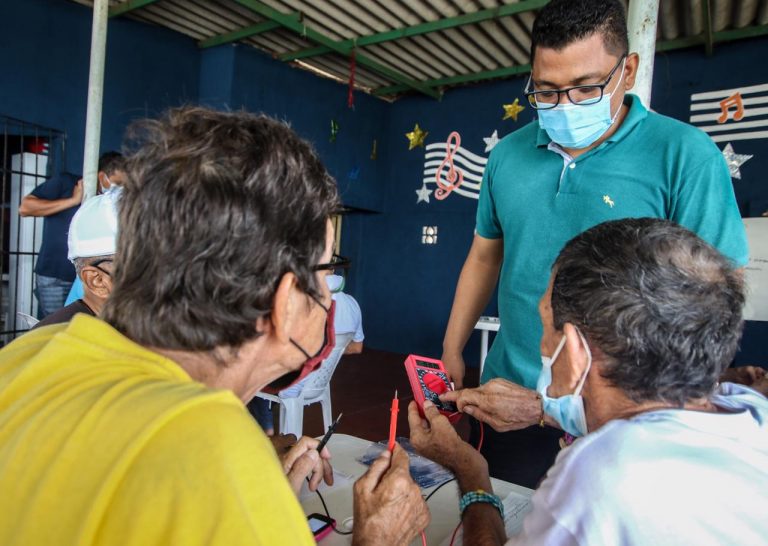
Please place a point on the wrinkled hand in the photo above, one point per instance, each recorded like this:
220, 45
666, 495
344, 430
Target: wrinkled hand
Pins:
436, 439
77, 192
389, 508
500, 403
454, 365
301, 460
282, 443
744, 375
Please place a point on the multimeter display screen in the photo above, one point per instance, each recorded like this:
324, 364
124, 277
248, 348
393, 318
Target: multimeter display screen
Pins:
316, 524
428, 364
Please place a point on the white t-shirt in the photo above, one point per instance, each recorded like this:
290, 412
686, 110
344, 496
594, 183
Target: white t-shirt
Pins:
663, 477
349, 319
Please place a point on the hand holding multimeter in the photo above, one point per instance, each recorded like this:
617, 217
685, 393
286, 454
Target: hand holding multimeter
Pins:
429, 380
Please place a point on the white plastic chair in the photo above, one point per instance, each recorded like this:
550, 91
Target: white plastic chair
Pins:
27, 321
316, 387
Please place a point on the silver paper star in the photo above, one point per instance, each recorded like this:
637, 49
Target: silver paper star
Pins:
423, 194
491, 141
734, 160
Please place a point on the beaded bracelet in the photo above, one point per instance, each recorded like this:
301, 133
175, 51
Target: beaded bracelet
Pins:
479, 495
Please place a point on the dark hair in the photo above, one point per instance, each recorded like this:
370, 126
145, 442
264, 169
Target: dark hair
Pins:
562, 22
661, 304
109, 162
215, 209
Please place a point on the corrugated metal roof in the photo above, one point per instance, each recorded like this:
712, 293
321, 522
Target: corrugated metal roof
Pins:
424, 46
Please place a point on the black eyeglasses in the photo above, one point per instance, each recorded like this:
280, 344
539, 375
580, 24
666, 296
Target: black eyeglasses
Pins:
581, 95
337, 262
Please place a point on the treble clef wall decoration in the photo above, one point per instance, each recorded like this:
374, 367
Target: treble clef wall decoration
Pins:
455, 176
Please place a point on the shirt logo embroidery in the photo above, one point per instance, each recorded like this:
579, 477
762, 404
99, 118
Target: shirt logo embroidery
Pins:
608, 201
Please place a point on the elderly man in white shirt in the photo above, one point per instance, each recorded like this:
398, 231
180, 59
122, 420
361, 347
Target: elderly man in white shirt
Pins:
640, 318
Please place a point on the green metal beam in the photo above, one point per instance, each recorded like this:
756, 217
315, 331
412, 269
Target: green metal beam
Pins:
288, 22
130, 5
708, 38
463, 78
741, 33
242, 33
717, 37
423, 28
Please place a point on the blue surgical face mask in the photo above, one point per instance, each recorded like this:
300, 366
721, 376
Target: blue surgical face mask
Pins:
567, 410
578, 126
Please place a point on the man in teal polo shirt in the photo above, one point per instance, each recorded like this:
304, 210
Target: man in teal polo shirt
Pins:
595, 154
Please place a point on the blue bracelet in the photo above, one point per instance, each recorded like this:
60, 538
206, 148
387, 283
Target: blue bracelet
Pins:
479, 495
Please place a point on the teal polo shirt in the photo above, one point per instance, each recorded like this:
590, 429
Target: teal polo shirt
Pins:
536, 198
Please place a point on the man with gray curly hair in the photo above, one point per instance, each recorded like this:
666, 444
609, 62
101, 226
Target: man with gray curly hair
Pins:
640, 318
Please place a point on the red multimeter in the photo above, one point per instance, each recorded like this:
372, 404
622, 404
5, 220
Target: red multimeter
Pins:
428, 381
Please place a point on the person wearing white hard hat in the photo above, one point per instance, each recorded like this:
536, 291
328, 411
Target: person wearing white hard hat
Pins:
92, 243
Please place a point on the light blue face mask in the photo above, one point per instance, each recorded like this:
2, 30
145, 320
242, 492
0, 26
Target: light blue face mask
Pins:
575, 126
567, 410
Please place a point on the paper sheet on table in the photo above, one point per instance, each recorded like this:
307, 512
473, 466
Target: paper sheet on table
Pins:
516, 506
756, 307
340, 480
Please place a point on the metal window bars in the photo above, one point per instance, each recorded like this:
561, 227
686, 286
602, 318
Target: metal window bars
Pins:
30, 153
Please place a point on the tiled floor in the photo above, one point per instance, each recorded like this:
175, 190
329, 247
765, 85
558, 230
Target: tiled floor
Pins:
362, 388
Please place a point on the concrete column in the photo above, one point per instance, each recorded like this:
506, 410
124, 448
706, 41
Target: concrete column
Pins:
95, 97
642, 18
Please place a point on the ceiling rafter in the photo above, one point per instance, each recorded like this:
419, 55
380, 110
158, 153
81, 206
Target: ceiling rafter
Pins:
708, 35
462, 78
245, 32
301, 29
423, 28
129, 5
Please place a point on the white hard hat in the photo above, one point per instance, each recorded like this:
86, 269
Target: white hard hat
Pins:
93, 231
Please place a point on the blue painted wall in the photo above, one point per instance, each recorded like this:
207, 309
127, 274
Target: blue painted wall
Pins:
45, 49
409, 289
309, 103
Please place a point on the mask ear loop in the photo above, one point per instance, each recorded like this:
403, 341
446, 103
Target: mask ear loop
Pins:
613, 118
589, 363
558, 350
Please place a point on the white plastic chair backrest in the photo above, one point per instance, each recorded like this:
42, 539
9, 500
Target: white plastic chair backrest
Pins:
27, 321
316, 382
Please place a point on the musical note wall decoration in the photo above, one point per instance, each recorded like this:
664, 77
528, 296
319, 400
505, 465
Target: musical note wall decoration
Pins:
452, 170
725, 105
448, 177
727, 115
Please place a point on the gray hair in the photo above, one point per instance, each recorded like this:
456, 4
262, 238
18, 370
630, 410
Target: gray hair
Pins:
216, 208
661, 304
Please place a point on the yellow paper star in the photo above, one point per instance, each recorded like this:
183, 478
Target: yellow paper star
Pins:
512, 110
416, 137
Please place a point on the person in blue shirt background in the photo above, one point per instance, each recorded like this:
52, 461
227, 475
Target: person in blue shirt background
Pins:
57, 200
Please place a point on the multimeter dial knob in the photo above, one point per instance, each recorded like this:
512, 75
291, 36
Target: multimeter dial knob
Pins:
435, 383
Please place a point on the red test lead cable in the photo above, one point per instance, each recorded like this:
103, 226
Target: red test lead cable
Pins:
393, 422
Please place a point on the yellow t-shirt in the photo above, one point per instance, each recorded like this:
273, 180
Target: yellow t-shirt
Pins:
105, 442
